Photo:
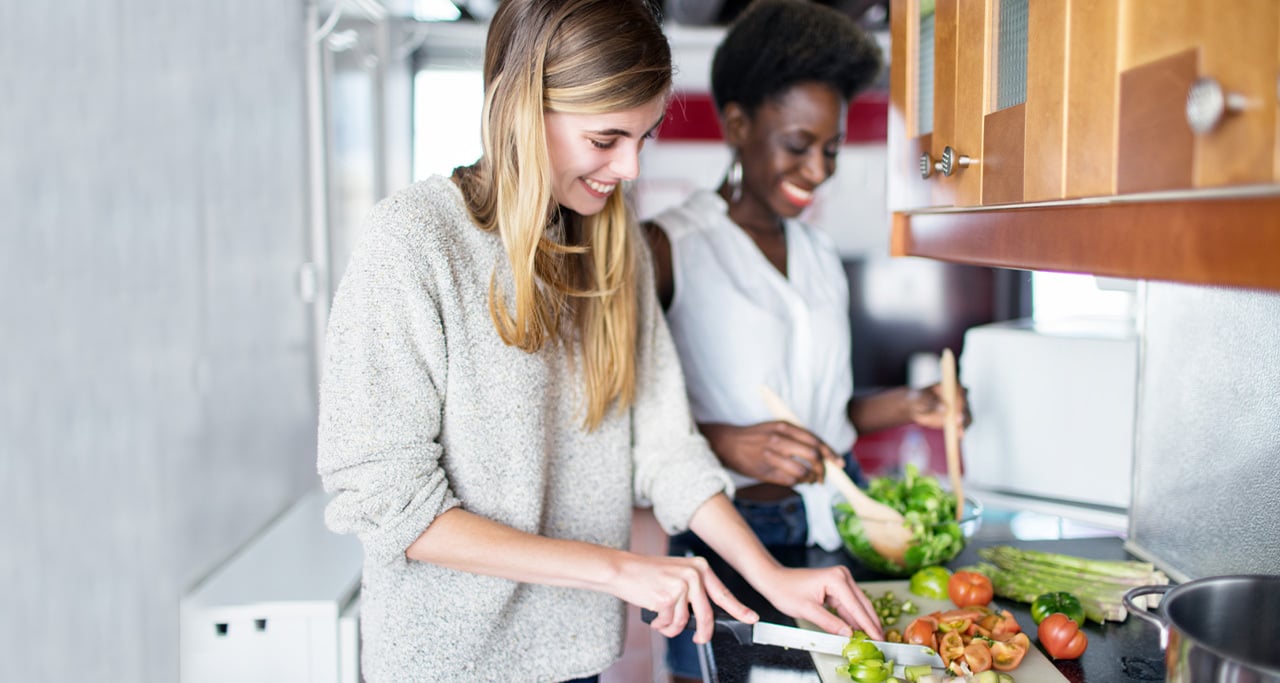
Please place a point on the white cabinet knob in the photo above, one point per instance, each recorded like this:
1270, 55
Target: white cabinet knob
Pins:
1208, 104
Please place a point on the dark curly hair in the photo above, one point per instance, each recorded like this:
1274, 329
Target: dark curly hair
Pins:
775, 44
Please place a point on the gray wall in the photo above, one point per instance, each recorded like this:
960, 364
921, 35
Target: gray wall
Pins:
156, 391
1206, 497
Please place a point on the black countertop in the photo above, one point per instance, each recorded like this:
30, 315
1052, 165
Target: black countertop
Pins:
1117, 652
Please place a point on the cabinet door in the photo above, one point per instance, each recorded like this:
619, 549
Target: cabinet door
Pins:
938, 96
1008, 90
1227, 52
913, 100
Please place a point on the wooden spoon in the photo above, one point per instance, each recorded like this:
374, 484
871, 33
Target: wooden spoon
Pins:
884, 526
951, 427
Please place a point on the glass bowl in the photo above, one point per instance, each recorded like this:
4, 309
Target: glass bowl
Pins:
932, 543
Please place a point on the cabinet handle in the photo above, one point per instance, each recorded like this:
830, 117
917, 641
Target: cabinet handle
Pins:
928, 166
1208, 104
951, 161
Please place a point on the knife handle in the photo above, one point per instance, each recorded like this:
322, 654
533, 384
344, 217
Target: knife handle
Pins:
741, 631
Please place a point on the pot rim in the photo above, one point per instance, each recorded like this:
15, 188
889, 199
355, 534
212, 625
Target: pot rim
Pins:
1165, 622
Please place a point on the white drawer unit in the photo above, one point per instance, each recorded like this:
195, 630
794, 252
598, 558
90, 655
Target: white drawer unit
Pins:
283, 609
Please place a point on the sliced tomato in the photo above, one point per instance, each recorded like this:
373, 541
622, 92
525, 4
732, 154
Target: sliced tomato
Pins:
958, 625
921, 632
1007, 655
977, 654
1007, 625
951, 647
970, 613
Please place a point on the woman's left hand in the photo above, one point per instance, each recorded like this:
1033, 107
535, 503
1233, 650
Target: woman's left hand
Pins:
928, 409
807, 593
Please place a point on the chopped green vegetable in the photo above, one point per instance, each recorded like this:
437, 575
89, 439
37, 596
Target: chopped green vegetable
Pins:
869, 671
888, 607
913, 673
859, 650
930, 582
929, 511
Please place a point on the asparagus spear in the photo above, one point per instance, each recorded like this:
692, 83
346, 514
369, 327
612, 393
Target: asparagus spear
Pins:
1100, 585
1116, 571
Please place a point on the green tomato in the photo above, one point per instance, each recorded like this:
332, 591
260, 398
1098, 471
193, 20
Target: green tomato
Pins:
1058, 601
931, 582
870, 671
861, 650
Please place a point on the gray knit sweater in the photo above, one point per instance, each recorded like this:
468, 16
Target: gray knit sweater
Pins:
424, 408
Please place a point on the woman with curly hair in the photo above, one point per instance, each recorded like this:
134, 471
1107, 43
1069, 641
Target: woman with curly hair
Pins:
755, 297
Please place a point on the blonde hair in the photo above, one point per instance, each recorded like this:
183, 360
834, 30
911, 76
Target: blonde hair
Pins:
577, 57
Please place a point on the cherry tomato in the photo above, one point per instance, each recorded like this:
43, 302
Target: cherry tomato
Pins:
1007, 655
920, 632
977, 654
1062, 637
967, 589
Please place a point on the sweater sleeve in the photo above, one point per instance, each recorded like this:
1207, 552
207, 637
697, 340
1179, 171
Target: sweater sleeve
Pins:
676, 471
380, 401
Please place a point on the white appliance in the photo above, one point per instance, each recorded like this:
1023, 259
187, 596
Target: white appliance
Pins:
1053, 414
284, 609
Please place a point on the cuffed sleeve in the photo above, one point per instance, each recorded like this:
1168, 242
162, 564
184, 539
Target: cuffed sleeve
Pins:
381, 402
676, 471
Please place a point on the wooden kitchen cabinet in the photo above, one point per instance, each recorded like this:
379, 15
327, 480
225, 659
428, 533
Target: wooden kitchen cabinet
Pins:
1082, 153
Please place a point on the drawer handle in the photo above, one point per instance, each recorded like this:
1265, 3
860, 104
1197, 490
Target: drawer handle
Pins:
952, 161
1208, 103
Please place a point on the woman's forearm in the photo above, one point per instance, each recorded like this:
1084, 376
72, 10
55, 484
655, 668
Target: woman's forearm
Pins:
881, 410
720, 526
467, 542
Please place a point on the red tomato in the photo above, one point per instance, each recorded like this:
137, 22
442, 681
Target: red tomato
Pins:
951, 647
1007, 655
1006, 627
967, 589
920, 632
977, 654
1062, 637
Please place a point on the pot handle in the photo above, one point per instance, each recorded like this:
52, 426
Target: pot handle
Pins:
1142, 613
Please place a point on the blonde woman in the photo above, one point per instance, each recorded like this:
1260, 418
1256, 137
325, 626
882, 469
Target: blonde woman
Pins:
500, 388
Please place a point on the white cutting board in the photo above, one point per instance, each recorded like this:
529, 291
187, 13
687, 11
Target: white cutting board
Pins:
1035, 666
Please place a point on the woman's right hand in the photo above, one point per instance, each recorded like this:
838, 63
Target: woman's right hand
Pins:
776, 452
674, 588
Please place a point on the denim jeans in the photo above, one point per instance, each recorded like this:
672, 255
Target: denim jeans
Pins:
776, 523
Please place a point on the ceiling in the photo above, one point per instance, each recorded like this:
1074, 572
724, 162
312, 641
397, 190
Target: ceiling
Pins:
871, 14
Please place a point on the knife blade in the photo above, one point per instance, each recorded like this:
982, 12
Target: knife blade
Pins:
765, 633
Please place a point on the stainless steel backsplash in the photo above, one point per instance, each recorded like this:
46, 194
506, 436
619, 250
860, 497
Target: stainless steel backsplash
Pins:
1206, 491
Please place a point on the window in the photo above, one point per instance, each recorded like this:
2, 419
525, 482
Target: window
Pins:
448, 104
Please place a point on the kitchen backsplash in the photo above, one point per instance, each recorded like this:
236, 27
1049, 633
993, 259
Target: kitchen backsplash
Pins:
1206, 495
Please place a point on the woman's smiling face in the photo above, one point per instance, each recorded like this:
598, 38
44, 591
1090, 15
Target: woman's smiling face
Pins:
591, 154
789, 148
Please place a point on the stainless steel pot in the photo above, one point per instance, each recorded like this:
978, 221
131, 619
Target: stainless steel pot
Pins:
1219, 629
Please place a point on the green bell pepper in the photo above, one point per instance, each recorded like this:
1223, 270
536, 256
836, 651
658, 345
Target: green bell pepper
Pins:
1057, 601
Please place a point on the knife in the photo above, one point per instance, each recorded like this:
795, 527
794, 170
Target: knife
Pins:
765, 633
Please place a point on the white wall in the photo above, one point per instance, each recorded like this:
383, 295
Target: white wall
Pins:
156, 396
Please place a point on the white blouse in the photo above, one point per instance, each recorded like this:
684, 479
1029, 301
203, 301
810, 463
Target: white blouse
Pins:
738, 324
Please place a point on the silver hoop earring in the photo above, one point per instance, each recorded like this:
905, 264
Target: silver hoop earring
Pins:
735, 179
